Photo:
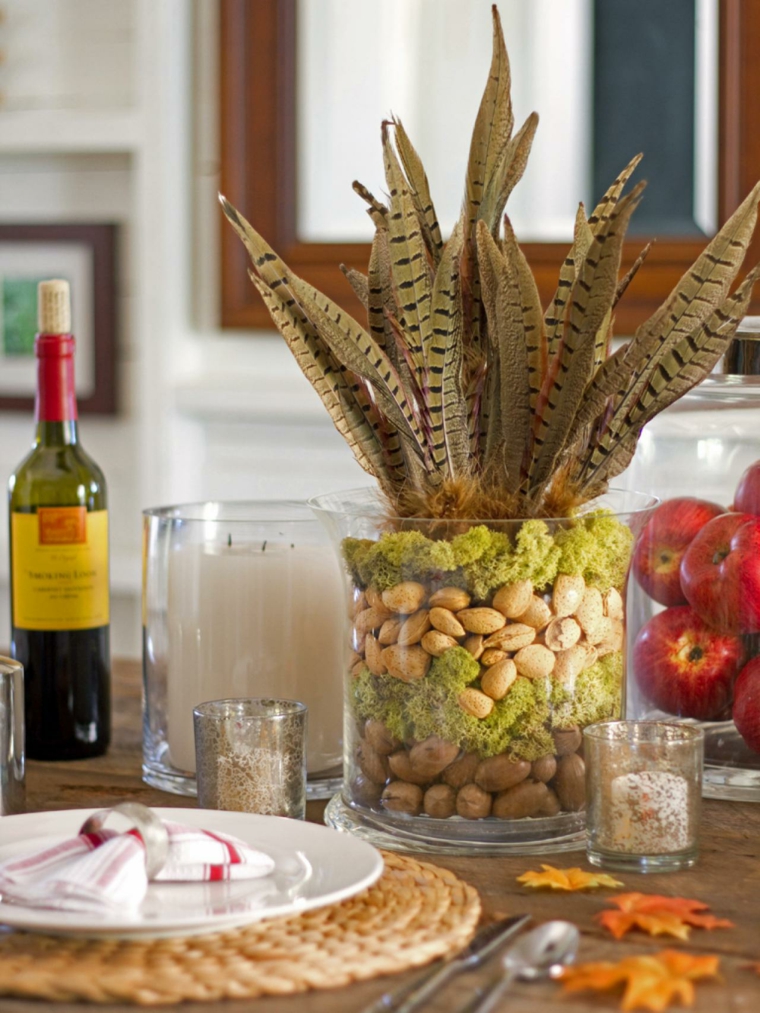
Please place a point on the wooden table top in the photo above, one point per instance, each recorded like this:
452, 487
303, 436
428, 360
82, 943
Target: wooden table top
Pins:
727, 877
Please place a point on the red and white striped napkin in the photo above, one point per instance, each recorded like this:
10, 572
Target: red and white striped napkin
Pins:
105, 870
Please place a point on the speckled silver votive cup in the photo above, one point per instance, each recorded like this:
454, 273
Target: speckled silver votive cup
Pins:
643, 793
251, 756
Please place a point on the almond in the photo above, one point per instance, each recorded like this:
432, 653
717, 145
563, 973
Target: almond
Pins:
599, 631
406, 663
474, 644
481, 620
373, 652
405, 597
492, 656
590, 612
473, 702
613, 641
535, 661
357, 669
436, 643
370, 619
568, 666
357, 604
389, 631
374, 598
513, 599
415, 628
452, 598
537, 614
612, 601
445, 621
497, 681
511, 638
562, 633
357, 642
568, 594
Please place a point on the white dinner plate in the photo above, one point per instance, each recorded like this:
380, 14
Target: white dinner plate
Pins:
314, 866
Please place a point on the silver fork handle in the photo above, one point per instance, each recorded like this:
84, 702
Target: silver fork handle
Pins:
489, 999
390, 1000
428, 988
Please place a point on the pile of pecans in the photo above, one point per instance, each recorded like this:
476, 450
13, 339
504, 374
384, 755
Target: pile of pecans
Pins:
519, 634
434, 777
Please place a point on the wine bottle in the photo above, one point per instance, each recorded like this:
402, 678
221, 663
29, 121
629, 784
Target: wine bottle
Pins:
59, 559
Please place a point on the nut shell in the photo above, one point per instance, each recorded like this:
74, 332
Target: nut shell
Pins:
511, 638
513, 599
567, 740
473, 803
373, 652
570, 783
461, 771
401, 768
538, 614
374, 766
445, 621
498, 680
430, 757
561, 634
525, 799
370, 619
378, 736
544, 768
440, 801
406, 663
436, 643
497, 773
452, 598
473, 702
406, 597
414, 629
612, 601
567, 594
474, 644
481, 620
402, 797
492, 656
535, 661
389, 631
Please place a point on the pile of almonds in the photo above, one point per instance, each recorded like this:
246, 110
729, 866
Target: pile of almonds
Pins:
437, 779
520, 634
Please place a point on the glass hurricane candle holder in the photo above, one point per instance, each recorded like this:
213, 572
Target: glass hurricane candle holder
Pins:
239, 600
643, 789
476, 653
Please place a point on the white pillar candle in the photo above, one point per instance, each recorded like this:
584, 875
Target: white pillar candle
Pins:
263, 620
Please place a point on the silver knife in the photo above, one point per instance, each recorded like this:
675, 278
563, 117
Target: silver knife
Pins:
484, 944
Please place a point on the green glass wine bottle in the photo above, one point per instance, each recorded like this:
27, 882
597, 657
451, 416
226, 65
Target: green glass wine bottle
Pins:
59, 560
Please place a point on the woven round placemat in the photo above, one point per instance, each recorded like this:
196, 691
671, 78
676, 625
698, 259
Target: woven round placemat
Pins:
413, 914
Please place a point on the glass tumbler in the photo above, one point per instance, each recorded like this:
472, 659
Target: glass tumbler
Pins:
251, 756
643, 792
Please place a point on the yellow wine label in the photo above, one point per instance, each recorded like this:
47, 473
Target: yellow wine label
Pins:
60, 569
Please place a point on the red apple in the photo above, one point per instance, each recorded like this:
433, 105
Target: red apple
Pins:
662, 543
746, 712
684, 667
720, 573
747, 498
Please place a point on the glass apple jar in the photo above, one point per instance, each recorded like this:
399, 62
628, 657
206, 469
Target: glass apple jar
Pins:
476, 653
694, 597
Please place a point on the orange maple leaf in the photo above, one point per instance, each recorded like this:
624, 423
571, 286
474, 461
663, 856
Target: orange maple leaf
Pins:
659, 916
652, 981
567, 879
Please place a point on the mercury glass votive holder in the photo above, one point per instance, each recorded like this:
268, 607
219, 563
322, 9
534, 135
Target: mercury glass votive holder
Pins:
643, 792
251, 756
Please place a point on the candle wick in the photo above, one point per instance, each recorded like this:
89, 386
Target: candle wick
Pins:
292, 545
229, 541
264, 546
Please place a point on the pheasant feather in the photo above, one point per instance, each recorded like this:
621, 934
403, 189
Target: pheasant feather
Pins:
463, 395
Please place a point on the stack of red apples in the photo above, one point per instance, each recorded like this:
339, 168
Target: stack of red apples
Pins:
700, 656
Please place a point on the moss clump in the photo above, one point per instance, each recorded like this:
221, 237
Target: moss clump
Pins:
597, 547
482, 560
596, 696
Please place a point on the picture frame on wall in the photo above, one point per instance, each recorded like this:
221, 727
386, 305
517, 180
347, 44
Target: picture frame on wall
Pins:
84, 255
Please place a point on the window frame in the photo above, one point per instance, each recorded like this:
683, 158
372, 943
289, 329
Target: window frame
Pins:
258, 166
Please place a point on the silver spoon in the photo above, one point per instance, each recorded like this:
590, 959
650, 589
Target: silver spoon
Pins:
541, 953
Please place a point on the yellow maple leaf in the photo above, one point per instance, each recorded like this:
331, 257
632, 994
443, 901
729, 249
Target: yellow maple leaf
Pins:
659, 916
652, 981
567, 879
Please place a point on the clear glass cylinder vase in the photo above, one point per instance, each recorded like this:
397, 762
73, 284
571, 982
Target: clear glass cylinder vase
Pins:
239, 600
475, 654
694, 600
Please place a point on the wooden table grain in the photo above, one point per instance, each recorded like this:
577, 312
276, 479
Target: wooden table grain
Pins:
727, 877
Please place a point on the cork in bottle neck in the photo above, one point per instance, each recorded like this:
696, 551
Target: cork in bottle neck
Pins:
53, 307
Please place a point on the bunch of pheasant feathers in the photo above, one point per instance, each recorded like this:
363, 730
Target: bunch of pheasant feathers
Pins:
463, 396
